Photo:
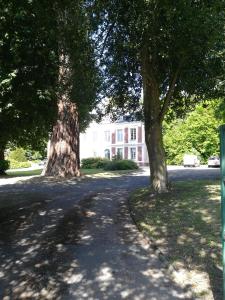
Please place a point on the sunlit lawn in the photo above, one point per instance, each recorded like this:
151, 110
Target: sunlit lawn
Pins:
185, 225
17, 173
89, 172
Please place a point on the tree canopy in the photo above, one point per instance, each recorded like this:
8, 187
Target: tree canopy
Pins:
197, 133
28, 71
175, 37
29, 58
173, 49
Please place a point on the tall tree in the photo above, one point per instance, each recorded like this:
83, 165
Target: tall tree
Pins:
77, 87
173, 49
46, 62
28, 72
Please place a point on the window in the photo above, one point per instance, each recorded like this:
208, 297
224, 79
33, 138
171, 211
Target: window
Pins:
107, 136
119, 153
133, 134
107, 153
133, 153
119, 135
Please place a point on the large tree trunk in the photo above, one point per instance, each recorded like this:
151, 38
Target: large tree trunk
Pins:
157, 160
153, 131
63, 155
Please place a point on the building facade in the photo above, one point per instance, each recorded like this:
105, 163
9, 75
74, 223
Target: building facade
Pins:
125, 139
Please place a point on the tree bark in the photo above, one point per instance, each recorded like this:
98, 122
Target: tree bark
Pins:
153, 129
157, 160
63, 155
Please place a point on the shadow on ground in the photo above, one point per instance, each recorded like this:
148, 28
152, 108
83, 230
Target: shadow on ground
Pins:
83, 249
185, 225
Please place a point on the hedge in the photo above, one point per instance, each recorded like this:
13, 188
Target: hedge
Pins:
123, 164
94, 163
19, 164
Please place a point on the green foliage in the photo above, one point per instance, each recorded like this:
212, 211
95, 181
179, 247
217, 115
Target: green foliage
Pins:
75, 41
4, 165
220, 110
120, 165
196, 134
94, 163
19, 164
34, 155
28, 75
18, 159
19, 155
169, 41
103, 163
30, 35
118, 156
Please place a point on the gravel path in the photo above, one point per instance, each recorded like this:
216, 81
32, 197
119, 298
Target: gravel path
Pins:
75, 240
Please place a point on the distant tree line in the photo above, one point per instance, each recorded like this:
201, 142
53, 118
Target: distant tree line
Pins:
197, 133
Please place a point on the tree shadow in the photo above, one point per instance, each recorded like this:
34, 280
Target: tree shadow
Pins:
187, 231
64, 246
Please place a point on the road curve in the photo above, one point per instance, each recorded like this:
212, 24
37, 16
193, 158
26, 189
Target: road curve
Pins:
76, 240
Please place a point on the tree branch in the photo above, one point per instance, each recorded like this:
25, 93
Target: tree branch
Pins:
170, 92
106, 37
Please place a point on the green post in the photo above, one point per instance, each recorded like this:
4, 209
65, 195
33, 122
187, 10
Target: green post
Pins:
222, 169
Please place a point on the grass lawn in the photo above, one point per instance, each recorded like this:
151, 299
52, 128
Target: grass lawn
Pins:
185, 225
89, 172
17, 173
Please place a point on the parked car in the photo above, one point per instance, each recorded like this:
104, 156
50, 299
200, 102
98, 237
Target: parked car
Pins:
214, 162
191, 160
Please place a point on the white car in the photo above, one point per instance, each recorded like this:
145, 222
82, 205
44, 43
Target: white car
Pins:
214, 162
191, 160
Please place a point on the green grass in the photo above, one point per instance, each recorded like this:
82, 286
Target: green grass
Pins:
185, 225
12, 173
91, 171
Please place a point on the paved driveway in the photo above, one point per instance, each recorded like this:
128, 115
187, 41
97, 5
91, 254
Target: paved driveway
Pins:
75, 240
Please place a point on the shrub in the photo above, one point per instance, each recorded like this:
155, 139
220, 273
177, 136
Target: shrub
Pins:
19, 154
94, 163
18, 164
4, 165
117, 157
124, 164
32, 155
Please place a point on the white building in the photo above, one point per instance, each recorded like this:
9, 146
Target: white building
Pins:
108, 139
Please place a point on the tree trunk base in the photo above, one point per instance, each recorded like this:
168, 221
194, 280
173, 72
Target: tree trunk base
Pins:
63, 154
159, 189
63, 171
